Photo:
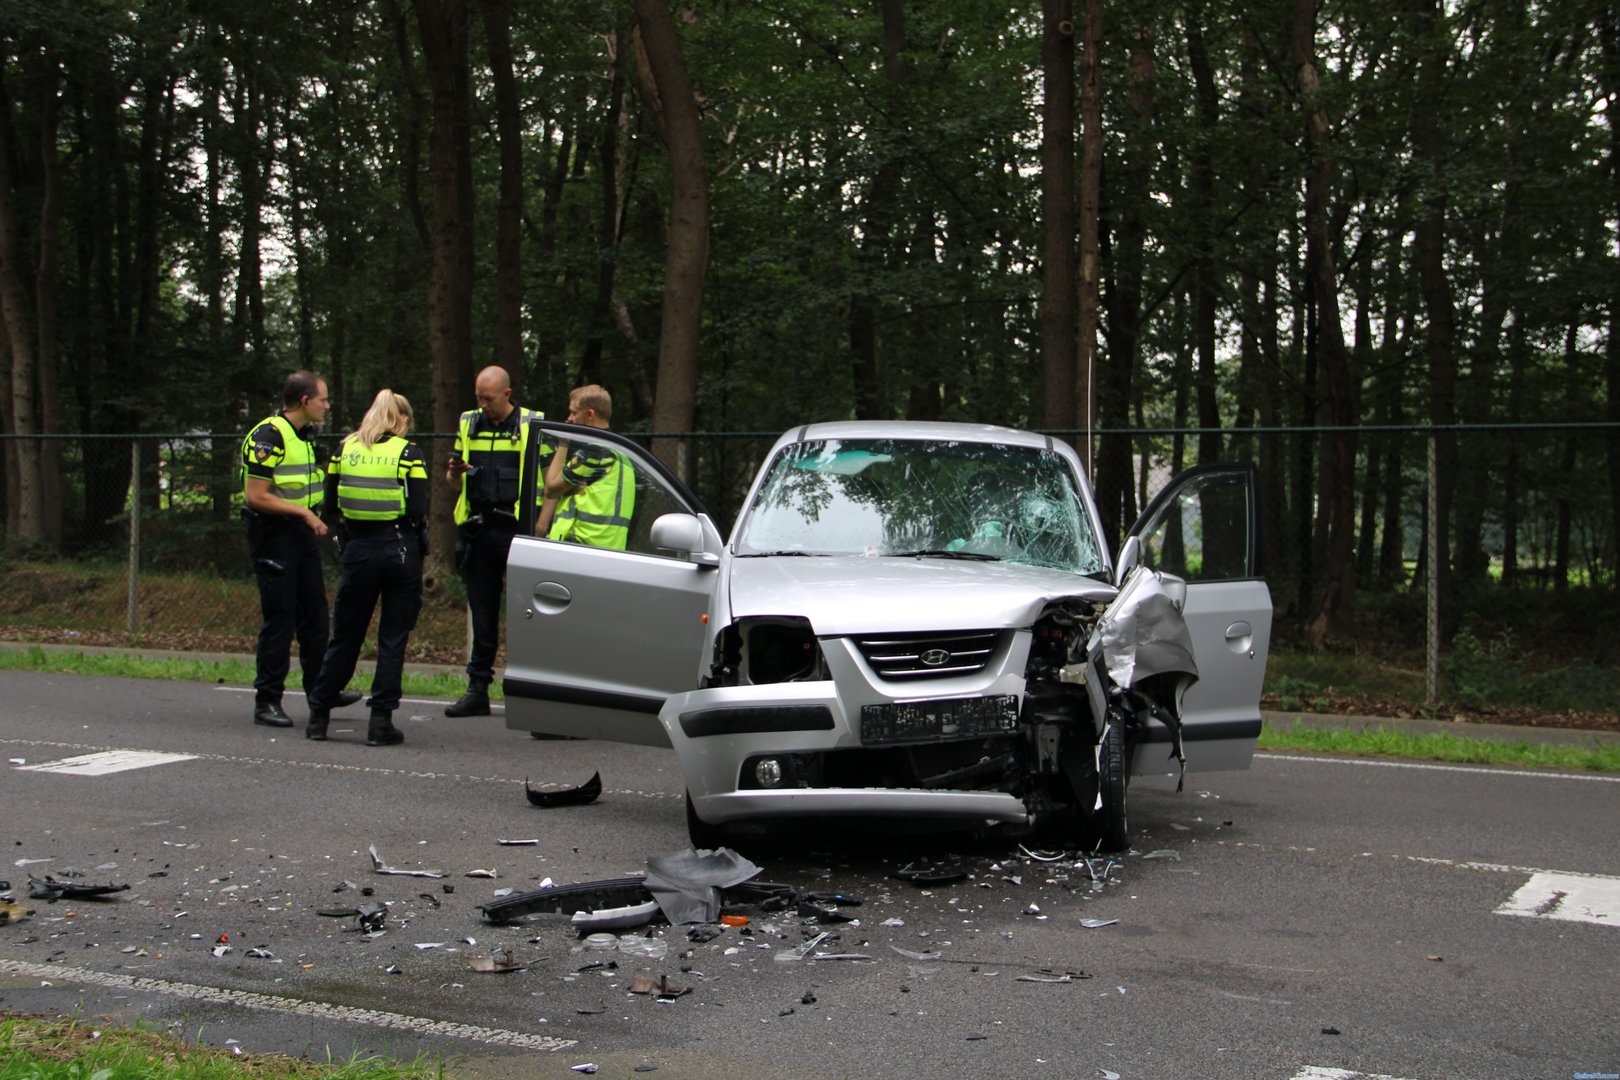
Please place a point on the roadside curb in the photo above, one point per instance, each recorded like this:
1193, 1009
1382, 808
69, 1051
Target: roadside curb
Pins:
1276, 720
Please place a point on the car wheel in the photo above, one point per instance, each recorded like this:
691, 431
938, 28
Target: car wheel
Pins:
701, 833
1109, 825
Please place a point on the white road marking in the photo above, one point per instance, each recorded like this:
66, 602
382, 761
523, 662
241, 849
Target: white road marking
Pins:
416, 1025
1538, 774
106, 762
1317, 1072
403, 701
374, 770
1569, 897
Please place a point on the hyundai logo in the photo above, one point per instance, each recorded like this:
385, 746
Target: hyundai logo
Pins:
935, 657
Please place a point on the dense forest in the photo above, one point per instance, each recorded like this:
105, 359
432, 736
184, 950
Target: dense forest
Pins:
1305, 234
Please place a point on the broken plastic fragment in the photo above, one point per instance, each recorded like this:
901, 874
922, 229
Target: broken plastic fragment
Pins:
910, 955
687, 883
372, 916
517, 843
619, 918
500, 965
802, 951
1041, 856
52, 890
380, 867
1164, 853
586, 792
1092, 924
480, 874
261, 954
588, 1067
1108, 1074
931, 875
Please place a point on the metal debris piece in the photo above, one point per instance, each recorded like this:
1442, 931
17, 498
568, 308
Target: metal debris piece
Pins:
380, 867
500, 965
424, 945
931, 875
338, 912
517, 843
840, 956
1164, 853
393, 969
588, 1067
221, 950
1041, 856
823, 913
51, 890
480, 874
372, 917
1108, 1074
687, 883
579, 796
261, 954
433, 901
1092, 924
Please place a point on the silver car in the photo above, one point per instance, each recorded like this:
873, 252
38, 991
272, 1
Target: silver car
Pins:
915, 620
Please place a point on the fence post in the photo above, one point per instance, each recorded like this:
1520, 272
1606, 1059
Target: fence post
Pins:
134, 619
1432, 617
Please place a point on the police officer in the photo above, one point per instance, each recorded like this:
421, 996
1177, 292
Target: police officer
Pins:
491, 446
283, 484
594, 486
378, 480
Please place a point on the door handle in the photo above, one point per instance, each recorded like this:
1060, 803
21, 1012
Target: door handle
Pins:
1239, 637
551, 597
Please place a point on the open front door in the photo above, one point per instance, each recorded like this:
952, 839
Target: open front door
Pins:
598, 636
1203, 528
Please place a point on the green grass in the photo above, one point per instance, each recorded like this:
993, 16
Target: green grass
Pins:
33, 1048
223, 672
1440, 747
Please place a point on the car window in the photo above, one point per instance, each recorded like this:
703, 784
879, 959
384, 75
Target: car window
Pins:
941, 498
1203, 532
621, 494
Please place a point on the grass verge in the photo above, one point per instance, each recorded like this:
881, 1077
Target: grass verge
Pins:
1440, 747
222, 672
36, 1048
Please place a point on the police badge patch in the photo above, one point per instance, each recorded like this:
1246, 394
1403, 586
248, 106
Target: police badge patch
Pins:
261, 452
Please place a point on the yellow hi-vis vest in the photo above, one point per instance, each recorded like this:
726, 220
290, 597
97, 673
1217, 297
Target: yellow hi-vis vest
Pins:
599, 513
498, 452
298, 477
371, 481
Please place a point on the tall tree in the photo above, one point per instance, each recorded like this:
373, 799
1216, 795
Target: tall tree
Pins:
1057, 213
686, 263
509, 210
1089, 301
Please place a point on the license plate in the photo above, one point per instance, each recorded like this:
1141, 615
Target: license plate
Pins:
935, 721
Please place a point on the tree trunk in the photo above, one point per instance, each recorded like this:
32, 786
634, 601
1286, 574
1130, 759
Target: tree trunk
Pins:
509, 212
609, 222
687, 258
1610, 36
1202, 206
50, 399
16, 312
1090, 283
1430, 153
443, 26
1058, 293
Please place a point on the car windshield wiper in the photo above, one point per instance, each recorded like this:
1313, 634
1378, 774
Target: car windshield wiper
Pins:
941, 553
773, 554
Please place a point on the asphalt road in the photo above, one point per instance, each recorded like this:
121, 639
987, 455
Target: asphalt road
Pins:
1312, 917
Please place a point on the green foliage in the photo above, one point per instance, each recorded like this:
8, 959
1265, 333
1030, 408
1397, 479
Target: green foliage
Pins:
1440, 747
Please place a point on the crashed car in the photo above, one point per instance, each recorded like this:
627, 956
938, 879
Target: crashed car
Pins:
915, 620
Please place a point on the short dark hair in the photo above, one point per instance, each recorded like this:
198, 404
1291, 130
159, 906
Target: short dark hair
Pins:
299, 385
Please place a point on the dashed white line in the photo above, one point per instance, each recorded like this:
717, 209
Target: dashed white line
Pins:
416, 1025
1429, 767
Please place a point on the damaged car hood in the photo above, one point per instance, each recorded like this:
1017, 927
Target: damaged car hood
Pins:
853, 594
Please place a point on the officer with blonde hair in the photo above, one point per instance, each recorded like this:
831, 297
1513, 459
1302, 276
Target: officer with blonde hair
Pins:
378, 482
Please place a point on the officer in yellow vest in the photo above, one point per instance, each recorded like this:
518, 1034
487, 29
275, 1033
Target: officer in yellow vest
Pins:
594, 486
283, 482
378, 481
491, 445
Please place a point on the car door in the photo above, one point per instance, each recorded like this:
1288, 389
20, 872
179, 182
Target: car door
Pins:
597, 638
1203, 529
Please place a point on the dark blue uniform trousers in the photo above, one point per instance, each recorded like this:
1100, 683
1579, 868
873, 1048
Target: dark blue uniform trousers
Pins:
292, 600
386, 567
484, 574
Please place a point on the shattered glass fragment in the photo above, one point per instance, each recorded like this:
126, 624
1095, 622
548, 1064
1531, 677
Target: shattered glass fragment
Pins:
380, 867
586, 792
911, 955
802, 951
501, 964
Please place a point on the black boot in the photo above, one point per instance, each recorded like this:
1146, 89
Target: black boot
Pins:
318, 719
382, 731
475, 702
270, 714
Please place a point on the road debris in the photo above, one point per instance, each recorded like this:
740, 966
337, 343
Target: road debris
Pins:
51, 890
931, 875
1093, 924
687, 883
579, 796
620, 918
501, 964
380, 867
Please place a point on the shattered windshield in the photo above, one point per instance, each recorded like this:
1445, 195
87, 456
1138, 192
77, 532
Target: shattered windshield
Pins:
938, 499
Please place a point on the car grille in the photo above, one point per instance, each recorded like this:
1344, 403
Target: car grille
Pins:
905, 657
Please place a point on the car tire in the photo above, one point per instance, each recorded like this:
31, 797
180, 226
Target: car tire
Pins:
1109, 825
701, 833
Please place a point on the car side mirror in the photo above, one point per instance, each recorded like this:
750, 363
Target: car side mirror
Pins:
683, 534
1129, 555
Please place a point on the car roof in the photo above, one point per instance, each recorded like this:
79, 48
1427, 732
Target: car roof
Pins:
917, 429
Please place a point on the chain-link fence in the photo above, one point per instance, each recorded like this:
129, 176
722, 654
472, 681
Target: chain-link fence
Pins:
143, 534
